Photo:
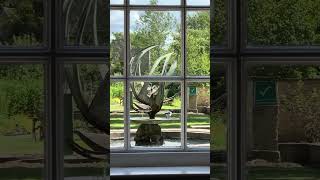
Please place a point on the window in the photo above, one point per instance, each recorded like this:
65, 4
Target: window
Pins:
23, 120
282, 118
83, 97
160, 83
182, 78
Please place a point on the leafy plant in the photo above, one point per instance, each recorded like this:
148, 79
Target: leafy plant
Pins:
303, 105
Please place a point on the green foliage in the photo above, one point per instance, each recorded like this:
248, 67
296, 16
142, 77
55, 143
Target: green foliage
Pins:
21, 22
117, 90
198, 43
285, 72
284, 22
8, 125
21, 72
25, 98
21, 95
117, 52
303, 105
220, 22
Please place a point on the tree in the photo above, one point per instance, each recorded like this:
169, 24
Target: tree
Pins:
21, 22
198, 43
283, 22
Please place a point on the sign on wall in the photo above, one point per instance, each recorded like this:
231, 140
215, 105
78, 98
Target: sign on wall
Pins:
192, 91
265, 93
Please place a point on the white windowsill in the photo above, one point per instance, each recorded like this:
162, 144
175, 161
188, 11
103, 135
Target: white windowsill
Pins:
181, 170
160, 159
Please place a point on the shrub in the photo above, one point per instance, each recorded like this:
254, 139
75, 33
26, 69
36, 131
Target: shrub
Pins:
116, 90
303, 105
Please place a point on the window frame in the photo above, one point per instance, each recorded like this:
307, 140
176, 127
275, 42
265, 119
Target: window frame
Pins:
183, 78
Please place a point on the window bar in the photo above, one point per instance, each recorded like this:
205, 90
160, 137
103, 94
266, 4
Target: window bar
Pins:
126, 74
183, 85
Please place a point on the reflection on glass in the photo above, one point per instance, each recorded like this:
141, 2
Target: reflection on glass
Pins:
155, 116
198, 2
116, 2
198, 117
86, 127
219, 29
21, 23
117, 42
117, 115
219, 123
198, 43
22, 122
155, 2
283, 122
155, 43
85, 23
277, 23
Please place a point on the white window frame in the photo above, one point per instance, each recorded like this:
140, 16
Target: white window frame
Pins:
131, 156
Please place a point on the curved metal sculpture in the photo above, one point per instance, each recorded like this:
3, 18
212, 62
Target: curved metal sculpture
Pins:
95, 113
151, 95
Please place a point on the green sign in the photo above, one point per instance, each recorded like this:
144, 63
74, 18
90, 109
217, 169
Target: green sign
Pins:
192, 91
265, 93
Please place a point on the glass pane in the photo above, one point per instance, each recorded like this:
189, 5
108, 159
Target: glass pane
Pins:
117, 42
220, 28
219, 123
155, 116
21, 23
85, 23
85, 115
275, 23
155, 2
116, 2
283, 122
198, 117
22, 122
198, 2
155, 38
117, 115
198, 43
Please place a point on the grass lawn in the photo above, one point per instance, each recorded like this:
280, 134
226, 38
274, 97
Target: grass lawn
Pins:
117, 121
12, 145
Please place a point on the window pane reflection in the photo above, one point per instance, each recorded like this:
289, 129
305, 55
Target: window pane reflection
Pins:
219, 123
21, 23
283, 122
287, 23
22, 121
85, 121
85, 23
